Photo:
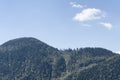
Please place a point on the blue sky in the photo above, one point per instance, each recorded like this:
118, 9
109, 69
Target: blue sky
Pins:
64, 23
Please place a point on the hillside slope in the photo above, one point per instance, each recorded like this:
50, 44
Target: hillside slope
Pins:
31, 59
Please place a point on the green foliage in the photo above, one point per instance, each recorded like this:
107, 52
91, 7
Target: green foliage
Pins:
31, 59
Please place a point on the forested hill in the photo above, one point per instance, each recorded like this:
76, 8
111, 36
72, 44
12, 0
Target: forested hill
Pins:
31, 59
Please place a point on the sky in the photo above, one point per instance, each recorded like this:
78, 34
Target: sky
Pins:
62, 23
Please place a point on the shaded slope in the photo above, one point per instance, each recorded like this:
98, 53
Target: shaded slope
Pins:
108, 70
81, 59
29, 59
32, 59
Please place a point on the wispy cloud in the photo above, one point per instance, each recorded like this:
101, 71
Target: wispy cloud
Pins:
76, 5
107, 25
86, 15
89, 14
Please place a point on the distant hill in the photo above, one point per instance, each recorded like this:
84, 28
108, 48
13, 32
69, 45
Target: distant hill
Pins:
31, 59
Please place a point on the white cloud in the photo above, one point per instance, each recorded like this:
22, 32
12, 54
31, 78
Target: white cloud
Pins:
118, 52
107, 25
89, 14
76, 5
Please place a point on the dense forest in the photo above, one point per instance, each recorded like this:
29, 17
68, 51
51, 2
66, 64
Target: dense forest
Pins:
32, 59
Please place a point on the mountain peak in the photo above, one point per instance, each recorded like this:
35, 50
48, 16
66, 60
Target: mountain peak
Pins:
21, 43
39, 61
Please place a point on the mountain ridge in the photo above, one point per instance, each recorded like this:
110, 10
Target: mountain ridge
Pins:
31, 59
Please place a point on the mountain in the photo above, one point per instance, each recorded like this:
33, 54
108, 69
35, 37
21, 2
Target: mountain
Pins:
31, 59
